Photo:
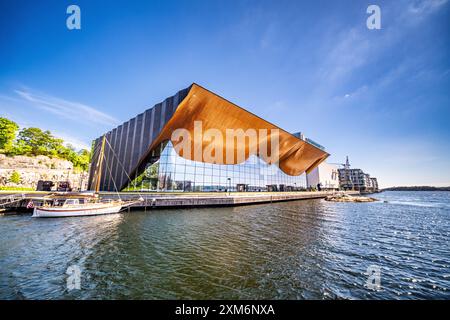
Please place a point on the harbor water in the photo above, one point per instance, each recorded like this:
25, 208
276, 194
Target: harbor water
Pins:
309, 249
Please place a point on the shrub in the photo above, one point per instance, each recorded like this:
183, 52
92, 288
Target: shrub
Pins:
15, 177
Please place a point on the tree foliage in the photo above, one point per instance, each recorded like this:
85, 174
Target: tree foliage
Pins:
15, 177
38, 142
8, 131
34, 142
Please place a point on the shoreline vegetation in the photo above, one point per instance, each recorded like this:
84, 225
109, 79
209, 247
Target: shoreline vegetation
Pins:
36, 142
417, 188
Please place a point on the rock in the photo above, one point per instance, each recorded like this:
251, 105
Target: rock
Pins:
33, 169
343, 197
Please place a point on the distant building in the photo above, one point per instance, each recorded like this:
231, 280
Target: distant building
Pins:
374, 184
352, 179
356, 179
326, 174
367, 181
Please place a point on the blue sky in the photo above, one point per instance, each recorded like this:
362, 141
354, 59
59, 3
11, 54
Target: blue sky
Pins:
379, 96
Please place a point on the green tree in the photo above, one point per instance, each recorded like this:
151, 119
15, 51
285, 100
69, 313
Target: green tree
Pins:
15, 177
8, 131
34, 141
83, 159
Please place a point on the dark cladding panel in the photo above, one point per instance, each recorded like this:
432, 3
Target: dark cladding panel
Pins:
128, 147
156, 120
176, 100
123, 147
115, 148
116, 169
105, 174
150, 136
146, 135
94, 160
131, 142
163, 116
111, 160
137, 142
169, 110
179, 97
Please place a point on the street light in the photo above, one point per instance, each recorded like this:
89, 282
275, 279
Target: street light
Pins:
68, 183
229, 184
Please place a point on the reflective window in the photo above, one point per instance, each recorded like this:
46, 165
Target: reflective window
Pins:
174, 173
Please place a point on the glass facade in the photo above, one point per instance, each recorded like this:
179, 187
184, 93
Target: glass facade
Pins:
174, 173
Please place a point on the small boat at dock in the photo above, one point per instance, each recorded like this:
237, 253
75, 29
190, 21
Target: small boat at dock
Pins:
78, 205
81, 204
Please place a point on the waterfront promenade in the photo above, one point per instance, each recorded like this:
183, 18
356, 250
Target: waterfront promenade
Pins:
180, 200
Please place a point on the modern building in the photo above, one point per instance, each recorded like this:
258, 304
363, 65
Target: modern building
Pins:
325, 174
356, 179
144, 153
353, 179
374, 184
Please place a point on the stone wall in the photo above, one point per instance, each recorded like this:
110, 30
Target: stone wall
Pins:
33, 169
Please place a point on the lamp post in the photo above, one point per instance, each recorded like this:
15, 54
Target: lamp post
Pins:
229, 185
81, 181
68, 183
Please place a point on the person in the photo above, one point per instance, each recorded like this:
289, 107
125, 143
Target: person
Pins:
319, 187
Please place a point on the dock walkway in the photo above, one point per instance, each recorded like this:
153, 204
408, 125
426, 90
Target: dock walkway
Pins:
177, 200
217, 199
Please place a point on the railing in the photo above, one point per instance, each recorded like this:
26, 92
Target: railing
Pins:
10, 199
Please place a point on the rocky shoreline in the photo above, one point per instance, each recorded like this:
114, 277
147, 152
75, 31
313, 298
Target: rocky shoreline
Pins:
32, 169
343, 197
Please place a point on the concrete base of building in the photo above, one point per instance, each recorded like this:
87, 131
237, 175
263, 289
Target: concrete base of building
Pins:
193, 200
184, 200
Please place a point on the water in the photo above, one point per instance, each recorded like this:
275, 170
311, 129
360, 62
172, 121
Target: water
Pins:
308, 249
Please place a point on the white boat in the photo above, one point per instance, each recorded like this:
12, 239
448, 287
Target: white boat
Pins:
81, 204
73, 208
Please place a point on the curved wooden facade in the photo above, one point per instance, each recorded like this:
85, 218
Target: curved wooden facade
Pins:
132, 145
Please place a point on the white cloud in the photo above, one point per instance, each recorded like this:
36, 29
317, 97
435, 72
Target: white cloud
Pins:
74, 141
67, 109
425, 6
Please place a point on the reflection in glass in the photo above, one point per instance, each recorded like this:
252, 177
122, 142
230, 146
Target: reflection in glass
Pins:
171, 172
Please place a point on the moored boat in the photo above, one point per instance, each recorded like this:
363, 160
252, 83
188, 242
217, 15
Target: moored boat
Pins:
82, 204
73, 208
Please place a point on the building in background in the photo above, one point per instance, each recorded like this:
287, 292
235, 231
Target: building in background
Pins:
325, 174
140, 155
353, 179
374, 184
356, 179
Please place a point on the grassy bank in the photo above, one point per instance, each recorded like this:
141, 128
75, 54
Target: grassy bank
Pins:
16, 189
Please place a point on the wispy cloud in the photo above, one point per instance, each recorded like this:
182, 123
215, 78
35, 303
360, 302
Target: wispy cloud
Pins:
74, 111
355, 48
425, 6
72, 140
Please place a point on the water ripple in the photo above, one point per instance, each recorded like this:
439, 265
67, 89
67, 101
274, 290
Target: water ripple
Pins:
295, 250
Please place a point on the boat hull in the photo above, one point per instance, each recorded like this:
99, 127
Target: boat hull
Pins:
40, 212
